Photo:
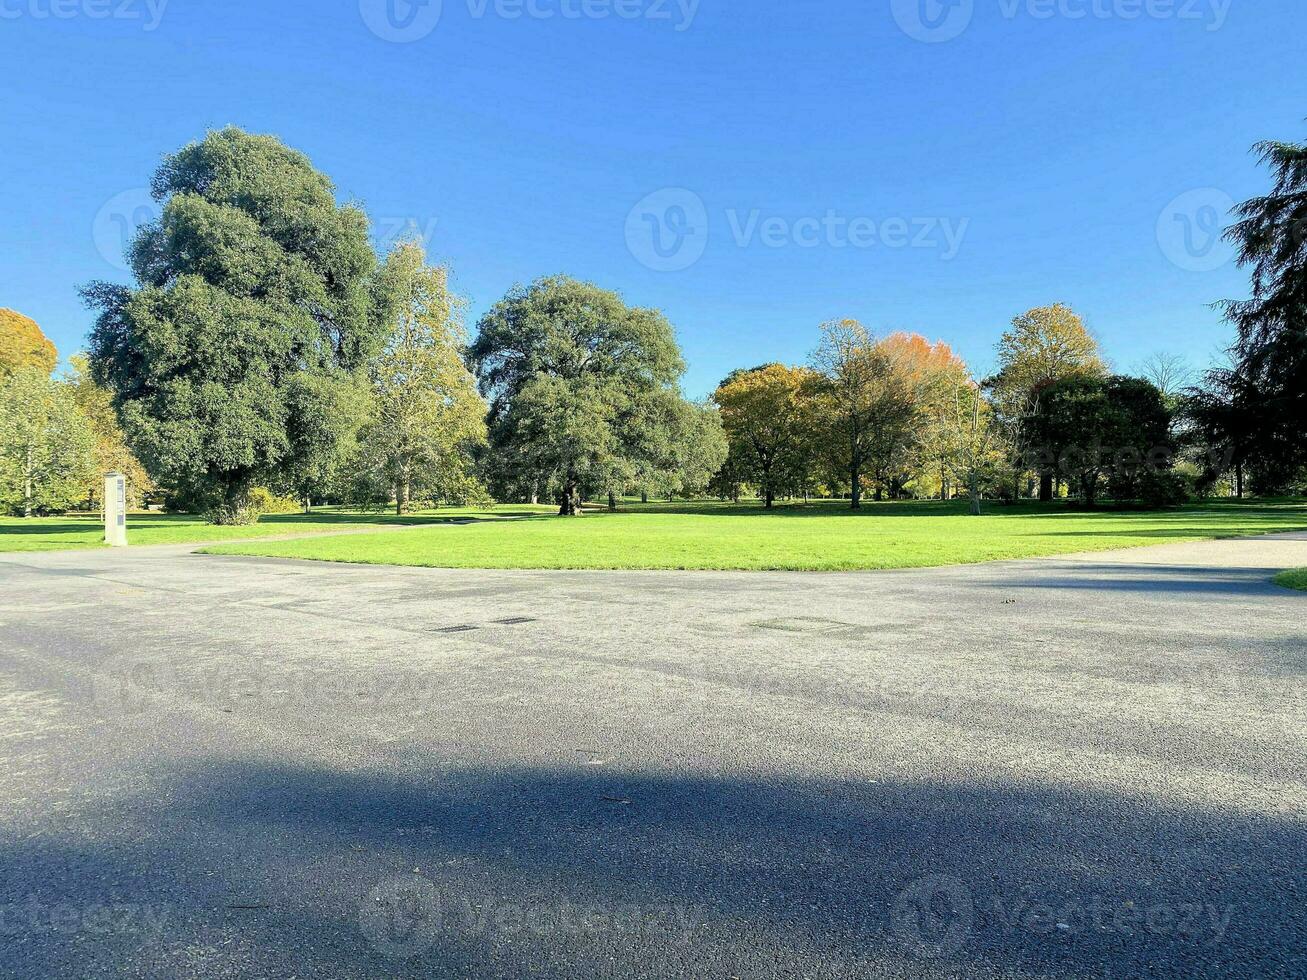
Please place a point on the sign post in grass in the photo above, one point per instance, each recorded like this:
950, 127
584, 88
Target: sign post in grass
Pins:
115, 510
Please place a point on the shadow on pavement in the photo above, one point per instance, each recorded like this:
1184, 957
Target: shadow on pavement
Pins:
552, 873
1111, 576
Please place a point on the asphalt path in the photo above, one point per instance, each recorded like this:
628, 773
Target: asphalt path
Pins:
230, 767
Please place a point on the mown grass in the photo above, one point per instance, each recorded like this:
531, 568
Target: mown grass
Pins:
59, 533
823, 536
1296, 579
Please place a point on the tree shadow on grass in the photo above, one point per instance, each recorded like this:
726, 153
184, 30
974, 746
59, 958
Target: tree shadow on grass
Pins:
1285, 511
44, 527
571, 872
390, 519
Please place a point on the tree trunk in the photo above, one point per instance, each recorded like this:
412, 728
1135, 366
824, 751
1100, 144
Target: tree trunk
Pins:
612, 500
1045, 487
308, 504
27, 483
1238, 480
570, 504
855, 478
769, 499
401, 495
644, 496
973, 489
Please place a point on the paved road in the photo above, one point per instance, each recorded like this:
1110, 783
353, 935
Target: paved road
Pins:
1087, 767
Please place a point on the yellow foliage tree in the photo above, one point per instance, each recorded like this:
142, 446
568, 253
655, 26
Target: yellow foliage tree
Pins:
1045, 345
111, 451
22, 344
768, 417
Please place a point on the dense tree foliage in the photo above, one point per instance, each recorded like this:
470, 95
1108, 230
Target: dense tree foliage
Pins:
1043, 347
111, 452
47, 447
23, 345
1268, 384
424, 416
1092, 429
254, 303
575, 380
769, 414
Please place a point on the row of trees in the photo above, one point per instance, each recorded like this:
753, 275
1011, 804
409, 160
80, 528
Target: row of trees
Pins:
60, 435
900, 416
264, 344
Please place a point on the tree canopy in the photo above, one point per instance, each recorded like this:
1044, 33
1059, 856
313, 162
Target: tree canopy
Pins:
425, 415
23, 345
47, 448
255, 300
571, 373
1270, 374
769, 417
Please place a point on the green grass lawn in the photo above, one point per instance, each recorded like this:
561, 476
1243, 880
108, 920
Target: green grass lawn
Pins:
59, 533
1296, 579
823, 536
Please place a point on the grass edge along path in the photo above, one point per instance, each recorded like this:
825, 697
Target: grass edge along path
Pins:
821, 537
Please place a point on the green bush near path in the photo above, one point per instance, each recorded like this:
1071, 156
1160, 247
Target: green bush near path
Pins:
1296, 579
821, 536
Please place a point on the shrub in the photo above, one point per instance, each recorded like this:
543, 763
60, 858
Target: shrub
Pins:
1164, 488
264, 501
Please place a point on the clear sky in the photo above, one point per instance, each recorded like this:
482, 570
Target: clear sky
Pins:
752, 167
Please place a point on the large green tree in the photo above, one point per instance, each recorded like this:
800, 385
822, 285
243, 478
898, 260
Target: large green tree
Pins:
254, 303
1271, 352
1091, 429
678, 445
567, 367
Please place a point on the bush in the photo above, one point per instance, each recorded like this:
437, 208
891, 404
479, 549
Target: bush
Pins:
264, 501
1164, 489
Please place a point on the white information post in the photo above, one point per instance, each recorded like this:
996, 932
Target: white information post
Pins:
115, 510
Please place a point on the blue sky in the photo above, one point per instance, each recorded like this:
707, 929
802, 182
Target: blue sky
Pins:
751, 168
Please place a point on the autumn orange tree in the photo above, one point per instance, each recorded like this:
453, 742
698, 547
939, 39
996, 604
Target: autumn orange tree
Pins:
872, 398
929, 374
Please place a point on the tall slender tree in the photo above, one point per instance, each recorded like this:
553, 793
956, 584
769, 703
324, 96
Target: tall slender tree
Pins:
426, 415
1271, 350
